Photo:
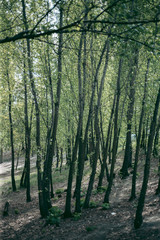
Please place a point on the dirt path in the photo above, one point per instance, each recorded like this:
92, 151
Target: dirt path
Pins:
24, 222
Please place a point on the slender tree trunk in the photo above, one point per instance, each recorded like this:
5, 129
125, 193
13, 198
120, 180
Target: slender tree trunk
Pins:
27, 139
133, 191
128, 149
115, 139
82, 152
1, 155
11, 133
51, 185
156, 140
67, 212
158, 188
51, 142
139, 219
18, 156
57, 153
105, 150
23, 177
40, 190
94, 166
61, 160
68, 154
110, 146
97, 132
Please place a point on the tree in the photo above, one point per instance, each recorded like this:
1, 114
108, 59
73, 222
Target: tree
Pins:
11, 128
133, 191
128, 149
115, 140
138, 218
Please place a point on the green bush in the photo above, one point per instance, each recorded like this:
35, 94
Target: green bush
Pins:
56, 211
59, 190
102, 189
93, 204
54, 216
105, 206
76, 216
16, 211
94, 192
51, 219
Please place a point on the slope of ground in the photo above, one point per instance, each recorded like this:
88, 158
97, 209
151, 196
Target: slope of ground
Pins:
24, 220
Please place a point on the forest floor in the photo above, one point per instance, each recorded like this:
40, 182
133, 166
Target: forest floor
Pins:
24, 220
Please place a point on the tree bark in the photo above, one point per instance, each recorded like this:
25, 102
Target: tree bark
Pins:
133, 191
115, 139
105, 150
139, 219
97, 131
128, 149
38, 163
11, 133
52, 137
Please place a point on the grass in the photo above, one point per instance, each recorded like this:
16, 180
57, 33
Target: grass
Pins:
59, 191
6, 185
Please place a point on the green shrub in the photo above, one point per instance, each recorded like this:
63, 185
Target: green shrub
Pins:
102, 189
54, 216
82, 202
51, 219
94, 192
76, 216
105, 206
59, 190
55, 199
56, 211
93, 204
16, 211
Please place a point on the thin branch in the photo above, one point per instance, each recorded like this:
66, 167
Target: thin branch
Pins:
40, 20
146, 21
28, 35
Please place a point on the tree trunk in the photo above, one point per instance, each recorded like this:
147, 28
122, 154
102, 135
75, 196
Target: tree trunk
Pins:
38, 163
105, 150
156, 140
57, 153
133, 191
97, 132
52, 137
128, 149
115, 139
82, 150
23, 177
11, 133
27, 137
139, 219
67, 212
1, 155
61, 160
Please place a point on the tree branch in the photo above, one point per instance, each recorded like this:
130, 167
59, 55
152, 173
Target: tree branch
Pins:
146, 21
28, 35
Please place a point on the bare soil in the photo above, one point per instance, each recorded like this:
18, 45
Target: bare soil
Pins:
24, 222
